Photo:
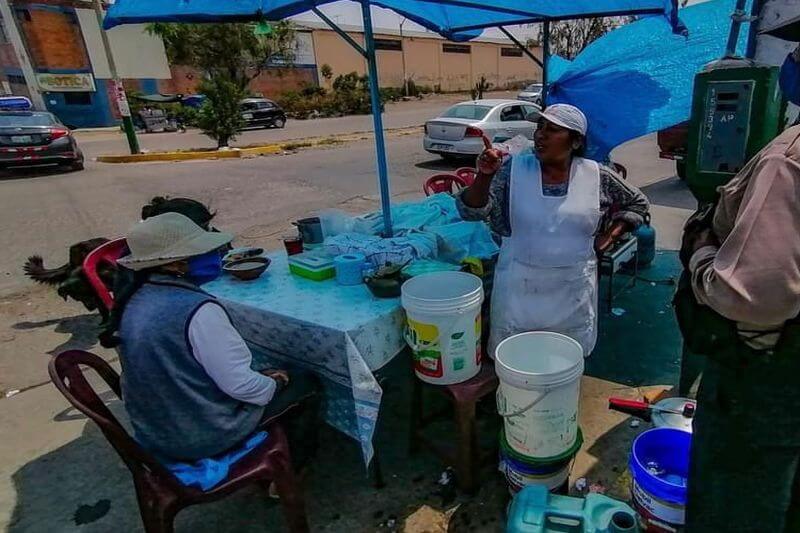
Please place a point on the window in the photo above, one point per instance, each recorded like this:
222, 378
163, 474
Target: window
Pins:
23, 14
78, 98
26, 119
455, 48
388, 44
16, 80
532, 113
3, 37
468, 111
512, 114
510, 52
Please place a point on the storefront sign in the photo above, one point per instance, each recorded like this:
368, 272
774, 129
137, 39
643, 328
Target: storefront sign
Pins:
60, 83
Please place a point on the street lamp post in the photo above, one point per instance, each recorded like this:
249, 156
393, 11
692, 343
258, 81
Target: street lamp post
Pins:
119, 89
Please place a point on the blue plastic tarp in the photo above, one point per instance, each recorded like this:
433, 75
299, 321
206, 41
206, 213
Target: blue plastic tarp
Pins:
639, 78
454, 19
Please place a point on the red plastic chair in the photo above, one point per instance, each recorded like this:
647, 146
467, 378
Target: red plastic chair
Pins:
107, 254
443, 183
160, 494
467, 174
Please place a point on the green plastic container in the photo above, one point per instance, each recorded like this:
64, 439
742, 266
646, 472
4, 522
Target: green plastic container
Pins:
312, 265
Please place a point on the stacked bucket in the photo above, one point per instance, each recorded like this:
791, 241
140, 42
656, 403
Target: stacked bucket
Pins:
538, 399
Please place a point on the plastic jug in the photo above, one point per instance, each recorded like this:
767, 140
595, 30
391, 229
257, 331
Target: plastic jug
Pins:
535, 510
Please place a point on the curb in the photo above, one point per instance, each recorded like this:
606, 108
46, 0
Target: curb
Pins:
239, 153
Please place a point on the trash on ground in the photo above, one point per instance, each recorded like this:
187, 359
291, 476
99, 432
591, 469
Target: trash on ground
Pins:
12, 392
618, 311
635, 423
580, 484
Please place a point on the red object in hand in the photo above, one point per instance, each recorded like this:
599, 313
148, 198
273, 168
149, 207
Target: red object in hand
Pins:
293, 245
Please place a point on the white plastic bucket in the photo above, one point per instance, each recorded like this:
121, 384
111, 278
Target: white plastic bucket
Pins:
539, 392
443, 311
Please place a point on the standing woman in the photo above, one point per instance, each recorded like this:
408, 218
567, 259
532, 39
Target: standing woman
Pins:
555, 211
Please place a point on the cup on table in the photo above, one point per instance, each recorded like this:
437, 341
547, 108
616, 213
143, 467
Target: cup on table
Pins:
293, 244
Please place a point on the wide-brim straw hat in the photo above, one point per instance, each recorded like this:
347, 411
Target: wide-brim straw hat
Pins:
167, 238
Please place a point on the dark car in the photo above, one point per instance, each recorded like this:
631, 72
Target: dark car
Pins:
32, 138
260, 112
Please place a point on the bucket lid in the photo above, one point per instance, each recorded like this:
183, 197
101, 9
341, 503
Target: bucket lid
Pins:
538, 359
568, 454
442, 292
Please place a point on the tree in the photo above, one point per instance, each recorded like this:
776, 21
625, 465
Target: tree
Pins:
569, 38
230, 56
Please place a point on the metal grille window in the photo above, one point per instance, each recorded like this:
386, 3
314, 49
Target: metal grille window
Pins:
388, 44
78, 98
456, 48
17, 80
510, 52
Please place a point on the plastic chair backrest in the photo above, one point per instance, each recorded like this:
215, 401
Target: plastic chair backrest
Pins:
68, 377
108, 254
467, 174
443, 183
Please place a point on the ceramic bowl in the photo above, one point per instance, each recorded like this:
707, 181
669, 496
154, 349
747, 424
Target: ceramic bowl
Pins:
247, 269
241, 253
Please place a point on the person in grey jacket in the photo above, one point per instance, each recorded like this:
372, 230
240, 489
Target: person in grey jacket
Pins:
555, 211
187, 384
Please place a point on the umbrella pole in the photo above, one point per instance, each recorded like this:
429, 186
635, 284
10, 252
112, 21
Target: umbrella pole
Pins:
545, 59
377, 119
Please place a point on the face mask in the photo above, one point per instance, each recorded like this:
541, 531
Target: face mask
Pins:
205, 268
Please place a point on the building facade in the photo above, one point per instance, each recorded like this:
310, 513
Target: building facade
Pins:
64, 44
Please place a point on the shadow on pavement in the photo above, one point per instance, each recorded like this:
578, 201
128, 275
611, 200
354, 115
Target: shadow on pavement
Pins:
83, 331
639, 343
33, 172
670, 192
445, 165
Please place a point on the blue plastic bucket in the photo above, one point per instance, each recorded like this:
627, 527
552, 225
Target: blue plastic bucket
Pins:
659, 466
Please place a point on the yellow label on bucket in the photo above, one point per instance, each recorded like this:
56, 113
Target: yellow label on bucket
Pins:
427, 355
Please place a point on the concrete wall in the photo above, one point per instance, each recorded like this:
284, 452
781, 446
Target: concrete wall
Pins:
136, 53
427, 63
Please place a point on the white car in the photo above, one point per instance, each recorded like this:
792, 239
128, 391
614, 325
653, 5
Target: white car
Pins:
531, 93
459, 131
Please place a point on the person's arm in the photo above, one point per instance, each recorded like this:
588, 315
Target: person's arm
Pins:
225, 357
625, 206
754, 275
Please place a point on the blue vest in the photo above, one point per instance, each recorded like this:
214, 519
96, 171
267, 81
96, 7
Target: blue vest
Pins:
177, 411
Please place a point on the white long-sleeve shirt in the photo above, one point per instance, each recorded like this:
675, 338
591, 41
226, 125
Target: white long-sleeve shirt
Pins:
225, 357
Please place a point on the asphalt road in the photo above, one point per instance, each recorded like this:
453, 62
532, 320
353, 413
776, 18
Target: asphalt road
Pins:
43, 212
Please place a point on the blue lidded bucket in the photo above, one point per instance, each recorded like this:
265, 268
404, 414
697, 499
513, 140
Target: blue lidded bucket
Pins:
659, 464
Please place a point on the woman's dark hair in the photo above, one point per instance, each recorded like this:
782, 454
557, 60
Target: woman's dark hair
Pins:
126, 283
192, 209
576, 136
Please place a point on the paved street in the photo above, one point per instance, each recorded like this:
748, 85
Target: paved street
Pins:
47, 449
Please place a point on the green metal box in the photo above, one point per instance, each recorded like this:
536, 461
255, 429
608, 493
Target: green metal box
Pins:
736, 110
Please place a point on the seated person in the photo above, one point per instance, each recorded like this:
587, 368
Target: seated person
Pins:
186, 381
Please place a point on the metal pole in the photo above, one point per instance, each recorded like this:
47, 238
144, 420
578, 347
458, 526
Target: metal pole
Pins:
12, 31
377, 119
736, 23
119, 90
545, 59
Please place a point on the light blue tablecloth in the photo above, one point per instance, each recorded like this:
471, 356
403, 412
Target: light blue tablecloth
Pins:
341, 333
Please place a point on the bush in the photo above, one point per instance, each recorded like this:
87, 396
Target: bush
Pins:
220, 117
350, 96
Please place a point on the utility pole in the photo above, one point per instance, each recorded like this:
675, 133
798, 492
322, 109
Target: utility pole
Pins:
403, 55
12, 32
119, 90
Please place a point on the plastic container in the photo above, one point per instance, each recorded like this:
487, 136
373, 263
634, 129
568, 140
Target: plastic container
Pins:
312, 265
659, 465
539, 392
443, 311
646, 244
534, 510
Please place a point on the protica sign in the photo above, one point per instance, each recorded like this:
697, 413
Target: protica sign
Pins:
60, 83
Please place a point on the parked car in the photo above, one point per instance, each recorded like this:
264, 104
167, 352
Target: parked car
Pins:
531, 93
459, 130
32, 138
673, 144
260, 112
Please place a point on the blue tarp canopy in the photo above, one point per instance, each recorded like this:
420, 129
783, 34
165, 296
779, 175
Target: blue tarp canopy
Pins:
454, 19
639, 78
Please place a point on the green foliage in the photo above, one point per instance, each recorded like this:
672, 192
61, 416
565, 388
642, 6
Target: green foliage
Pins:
480, 88
220, 117
230, 56
349, 96
327, 71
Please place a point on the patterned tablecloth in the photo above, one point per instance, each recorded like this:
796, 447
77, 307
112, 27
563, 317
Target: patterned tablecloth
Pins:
343, 334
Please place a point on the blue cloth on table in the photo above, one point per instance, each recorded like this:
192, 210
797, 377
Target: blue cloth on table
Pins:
464, 239
206, 474
378, 251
